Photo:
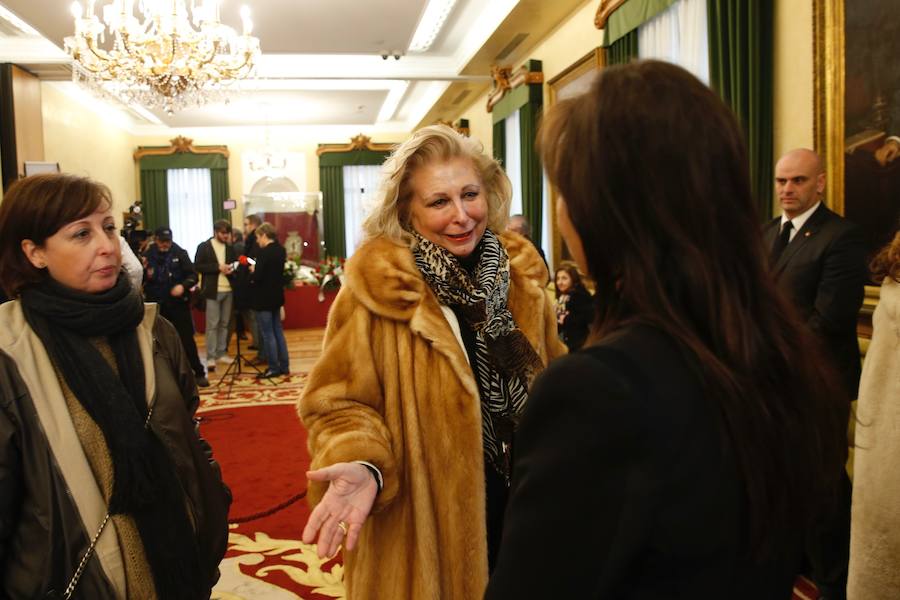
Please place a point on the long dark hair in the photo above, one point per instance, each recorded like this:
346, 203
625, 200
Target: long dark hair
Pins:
653, 169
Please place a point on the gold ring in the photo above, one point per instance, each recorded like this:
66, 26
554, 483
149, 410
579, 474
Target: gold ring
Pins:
343, 526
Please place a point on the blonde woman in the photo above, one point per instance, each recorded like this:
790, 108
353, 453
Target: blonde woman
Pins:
875, 517
430, 350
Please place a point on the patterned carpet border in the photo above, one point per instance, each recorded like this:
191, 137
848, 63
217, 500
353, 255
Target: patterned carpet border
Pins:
248, 391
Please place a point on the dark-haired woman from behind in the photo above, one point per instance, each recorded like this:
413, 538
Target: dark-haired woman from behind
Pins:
574, 310
875, 523
685, 451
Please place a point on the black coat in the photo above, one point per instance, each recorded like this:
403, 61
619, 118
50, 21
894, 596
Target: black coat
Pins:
206, 263
823, 272
267, 279
573, 331
624, 486
164, 271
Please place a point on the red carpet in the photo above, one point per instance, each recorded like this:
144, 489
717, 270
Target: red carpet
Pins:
260, 443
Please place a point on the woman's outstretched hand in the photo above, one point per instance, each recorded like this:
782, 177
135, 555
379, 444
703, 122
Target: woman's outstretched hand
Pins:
349, 498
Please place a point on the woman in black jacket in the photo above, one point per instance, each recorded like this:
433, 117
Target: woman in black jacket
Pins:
574, 310
689, 449
267, 298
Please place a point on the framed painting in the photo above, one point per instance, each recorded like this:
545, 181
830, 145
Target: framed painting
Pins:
857, 114
573, 80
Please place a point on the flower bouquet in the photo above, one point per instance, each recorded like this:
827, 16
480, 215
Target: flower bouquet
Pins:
327, 275
289, 274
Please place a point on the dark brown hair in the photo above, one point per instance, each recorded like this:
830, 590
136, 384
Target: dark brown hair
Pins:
35, 208
887, 262
574, 275
254, 218
222, 225
653, 170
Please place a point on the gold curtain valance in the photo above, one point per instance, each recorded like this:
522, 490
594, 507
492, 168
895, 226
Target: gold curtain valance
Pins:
179, 145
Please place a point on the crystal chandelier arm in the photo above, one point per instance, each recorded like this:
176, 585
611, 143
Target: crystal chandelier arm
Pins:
160, 59
101, 54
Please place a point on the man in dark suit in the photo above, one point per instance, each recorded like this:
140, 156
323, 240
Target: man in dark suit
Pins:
818, 260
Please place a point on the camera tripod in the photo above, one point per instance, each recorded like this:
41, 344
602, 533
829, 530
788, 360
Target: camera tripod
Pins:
235, 368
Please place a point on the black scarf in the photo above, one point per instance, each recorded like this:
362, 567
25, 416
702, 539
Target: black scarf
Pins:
145, 485
506, 362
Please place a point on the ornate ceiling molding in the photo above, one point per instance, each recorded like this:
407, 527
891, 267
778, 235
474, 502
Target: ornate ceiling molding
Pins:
180, 145
357, 142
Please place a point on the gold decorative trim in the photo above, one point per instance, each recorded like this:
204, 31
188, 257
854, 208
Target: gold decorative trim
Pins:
593, 60
357, 142
828, 126
501, 76
506, 80
454, 126
180, 145
606, 8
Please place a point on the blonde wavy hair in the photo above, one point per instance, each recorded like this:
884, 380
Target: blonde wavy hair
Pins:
390, 216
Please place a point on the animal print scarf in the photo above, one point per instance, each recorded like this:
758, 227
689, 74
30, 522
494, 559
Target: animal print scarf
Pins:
506, 363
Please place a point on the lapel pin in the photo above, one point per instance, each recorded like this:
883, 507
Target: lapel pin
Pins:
807, 234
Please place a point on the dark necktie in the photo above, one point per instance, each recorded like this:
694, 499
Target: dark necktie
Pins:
781, 241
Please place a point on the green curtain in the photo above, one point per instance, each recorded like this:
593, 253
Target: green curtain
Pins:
532, 174
331, 182
624, 49
740, 70
527, 101
499, 143
154, 189
629, 16
218, 179
154, 199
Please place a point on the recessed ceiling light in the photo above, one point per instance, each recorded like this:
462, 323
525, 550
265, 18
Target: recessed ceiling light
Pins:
436, 13
391, 102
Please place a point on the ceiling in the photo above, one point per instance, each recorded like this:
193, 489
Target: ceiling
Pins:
322, 60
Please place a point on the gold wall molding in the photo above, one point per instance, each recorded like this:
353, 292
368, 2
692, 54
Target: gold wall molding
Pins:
828, 99
606, 8
180, 145
461, 127
592, 62
357, 142
506, 80
829, 41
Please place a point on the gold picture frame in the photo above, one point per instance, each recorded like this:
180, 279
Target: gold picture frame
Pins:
833, 111
572, 79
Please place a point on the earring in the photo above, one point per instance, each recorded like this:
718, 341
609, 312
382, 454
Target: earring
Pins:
41, 266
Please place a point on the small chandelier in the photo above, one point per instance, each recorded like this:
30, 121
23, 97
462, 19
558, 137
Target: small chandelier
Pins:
166, 60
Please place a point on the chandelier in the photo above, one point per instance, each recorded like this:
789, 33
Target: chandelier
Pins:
164, 60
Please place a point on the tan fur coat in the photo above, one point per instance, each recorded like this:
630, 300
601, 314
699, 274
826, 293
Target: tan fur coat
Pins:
393, 387
875, 522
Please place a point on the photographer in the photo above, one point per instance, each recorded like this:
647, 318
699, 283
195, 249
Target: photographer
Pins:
170, 275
